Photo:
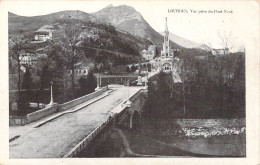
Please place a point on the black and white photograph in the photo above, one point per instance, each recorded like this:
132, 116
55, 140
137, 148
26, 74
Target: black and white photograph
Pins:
130, 79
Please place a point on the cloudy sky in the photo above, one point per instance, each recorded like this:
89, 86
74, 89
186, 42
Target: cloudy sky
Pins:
198, 27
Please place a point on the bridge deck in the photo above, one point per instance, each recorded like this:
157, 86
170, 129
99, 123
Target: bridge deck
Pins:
57, 137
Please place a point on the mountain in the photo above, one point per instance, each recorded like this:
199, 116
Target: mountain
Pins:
183, 42
19, 24
126, 18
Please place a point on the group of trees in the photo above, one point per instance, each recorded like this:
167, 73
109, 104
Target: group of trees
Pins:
213, 87
209, 88
108, 39
57, 56
87, 84
159, 102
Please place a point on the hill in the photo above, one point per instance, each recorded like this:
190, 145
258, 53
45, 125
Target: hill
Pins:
21, 24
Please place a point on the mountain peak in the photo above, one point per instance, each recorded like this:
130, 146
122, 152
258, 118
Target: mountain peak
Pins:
126, 18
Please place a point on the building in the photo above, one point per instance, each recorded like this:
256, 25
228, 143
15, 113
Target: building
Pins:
150, 53
79, 71
28, 59
220, 52
168, 61
43, 34
168, 56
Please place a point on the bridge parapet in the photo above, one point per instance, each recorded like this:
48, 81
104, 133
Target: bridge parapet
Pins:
121, 111
84, 143
62, 107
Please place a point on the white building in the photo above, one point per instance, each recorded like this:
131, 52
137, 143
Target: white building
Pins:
150, 53
43, 34
28, 59
220, 52
80, 71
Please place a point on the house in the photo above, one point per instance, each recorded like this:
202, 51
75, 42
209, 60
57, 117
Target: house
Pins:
43, 34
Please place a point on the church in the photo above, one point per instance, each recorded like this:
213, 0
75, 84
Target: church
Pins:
168, 57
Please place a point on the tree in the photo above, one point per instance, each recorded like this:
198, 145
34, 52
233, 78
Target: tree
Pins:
47, 66
149, 67
91, 83
27, 84
133, 68
17, 48
128, 69
83, 86
159, 102
71, 44
220, 67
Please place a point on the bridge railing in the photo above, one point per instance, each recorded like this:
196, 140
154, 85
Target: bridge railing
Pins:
83, 144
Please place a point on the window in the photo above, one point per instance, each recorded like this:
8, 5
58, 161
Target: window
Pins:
84, 71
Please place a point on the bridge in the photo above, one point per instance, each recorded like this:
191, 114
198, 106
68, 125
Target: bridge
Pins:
64, 130
103, 80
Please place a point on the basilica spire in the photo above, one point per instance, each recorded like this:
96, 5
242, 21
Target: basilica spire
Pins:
166, 27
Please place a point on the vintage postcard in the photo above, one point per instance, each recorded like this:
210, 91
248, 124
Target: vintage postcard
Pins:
149, 82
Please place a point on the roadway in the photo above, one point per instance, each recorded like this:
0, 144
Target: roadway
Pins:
57, 137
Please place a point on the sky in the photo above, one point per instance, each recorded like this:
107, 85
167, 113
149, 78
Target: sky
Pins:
198, 27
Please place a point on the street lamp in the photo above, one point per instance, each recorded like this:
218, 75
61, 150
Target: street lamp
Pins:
98, 83
51, 102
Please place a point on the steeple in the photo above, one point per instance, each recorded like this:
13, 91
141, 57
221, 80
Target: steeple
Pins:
166, 43
166, 27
